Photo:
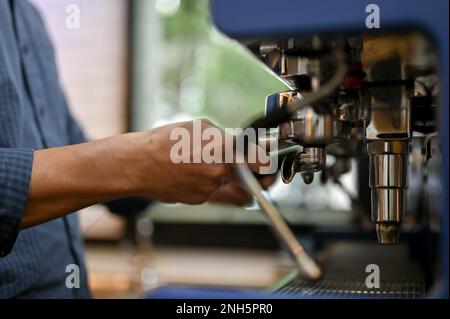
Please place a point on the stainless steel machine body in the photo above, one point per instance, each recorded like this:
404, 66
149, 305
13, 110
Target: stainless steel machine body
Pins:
372, 100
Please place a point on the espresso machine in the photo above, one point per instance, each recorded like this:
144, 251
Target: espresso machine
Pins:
364, 82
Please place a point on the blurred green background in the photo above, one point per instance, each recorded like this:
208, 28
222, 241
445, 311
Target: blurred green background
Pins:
184, 68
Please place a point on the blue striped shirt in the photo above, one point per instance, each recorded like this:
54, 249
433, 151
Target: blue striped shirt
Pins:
33, 115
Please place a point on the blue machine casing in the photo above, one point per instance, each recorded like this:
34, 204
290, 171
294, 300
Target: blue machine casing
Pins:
240, 19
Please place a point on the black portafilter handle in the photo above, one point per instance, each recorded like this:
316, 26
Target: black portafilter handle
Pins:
276, 117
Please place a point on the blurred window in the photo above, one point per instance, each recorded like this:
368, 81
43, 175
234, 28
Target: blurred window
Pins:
93, 68
183, 68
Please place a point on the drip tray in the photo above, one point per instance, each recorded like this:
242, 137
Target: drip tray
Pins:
344, 267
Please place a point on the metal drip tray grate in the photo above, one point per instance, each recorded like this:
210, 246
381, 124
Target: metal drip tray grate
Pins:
345, 274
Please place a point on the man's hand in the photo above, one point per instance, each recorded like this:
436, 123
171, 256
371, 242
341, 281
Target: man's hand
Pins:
189, 183
66, 179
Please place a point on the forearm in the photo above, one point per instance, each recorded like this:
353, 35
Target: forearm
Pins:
69, 178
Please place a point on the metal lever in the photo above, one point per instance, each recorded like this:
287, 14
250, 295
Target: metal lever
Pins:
308, 268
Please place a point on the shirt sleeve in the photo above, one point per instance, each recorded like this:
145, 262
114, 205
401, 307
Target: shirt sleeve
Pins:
129, 206
15, 175
74, 131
